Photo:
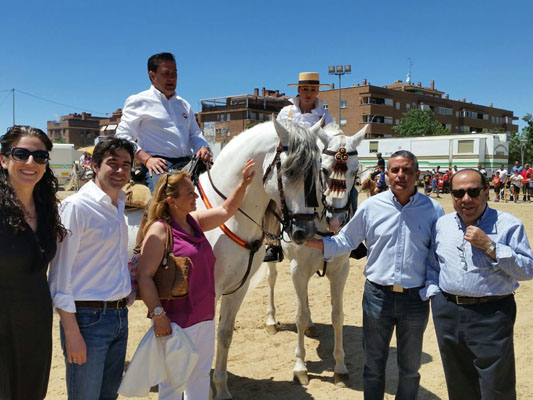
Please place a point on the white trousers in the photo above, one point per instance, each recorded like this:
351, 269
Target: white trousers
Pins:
197, 388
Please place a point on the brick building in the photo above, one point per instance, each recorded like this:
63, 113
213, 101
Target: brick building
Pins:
79, 129
82, 129
221, 118
383, 107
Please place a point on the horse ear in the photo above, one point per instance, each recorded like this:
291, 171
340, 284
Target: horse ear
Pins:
282, 132
358, 137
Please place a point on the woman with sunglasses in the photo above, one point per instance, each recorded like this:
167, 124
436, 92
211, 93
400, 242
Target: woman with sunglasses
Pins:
29, 229
174, 203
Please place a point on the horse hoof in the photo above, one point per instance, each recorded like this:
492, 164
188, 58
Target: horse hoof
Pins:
341, 380
311, 331
301, 378
271, 329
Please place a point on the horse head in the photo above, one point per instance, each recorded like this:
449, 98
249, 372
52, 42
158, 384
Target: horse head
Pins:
340, 164
294, 183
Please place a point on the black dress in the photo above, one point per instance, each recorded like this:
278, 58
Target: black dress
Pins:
25, 311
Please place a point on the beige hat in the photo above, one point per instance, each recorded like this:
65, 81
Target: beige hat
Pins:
308, 79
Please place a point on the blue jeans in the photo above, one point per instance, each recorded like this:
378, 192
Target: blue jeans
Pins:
106, 336
172, 163
383, 310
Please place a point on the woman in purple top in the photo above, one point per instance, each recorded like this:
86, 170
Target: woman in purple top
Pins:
174, 202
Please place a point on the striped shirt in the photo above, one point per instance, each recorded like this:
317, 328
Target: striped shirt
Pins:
457, 267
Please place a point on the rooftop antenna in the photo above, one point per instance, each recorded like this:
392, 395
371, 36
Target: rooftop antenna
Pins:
408, 79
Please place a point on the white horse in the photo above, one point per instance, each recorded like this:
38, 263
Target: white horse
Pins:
339, 166
284, 156
280, 181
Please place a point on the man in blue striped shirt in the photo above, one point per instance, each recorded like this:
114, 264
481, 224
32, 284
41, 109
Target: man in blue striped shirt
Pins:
479, 255
397, 226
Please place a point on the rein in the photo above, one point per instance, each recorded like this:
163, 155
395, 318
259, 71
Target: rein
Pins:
253, 247
286, 221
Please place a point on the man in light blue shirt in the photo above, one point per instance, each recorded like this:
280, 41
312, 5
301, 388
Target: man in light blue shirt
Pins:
397, 227
478, 256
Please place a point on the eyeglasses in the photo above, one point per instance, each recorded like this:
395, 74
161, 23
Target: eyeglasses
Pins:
22, 154
472, 192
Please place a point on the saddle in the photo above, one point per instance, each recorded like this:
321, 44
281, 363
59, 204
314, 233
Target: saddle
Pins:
137, 195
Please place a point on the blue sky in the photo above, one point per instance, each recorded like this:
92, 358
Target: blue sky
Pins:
90, 56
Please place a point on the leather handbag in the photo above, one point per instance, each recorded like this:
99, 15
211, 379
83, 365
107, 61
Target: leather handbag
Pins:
172, 277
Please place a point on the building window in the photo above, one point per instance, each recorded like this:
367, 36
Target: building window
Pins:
261, 117
408, 107
388, 120
397, 122
398, 106
463, 129
373, 147
465, 146
343, 104
228, 117
325, 105
388, 102
343, 121
443, 111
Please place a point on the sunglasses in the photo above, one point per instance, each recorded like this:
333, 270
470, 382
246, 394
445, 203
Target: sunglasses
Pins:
22, 154
472, 192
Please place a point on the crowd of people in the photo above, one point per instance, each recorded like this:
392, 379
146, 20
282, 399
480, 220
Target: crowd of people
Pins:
466, 264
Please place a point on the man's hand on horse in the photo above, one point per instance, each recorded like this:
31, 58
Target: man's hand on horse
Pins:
155, 164
204, 154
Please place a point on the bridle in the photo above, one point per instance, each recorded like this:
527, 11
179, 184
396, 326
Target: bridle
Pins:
341, 157
287, 217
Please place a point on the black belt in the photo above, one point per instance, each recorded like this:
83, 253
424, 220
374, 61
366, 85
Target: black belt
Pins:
396, 288
115, 305
464, 300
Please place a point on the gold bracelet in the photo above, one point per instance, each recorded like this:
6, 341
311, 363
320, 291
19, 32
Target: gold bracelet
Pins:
146, 159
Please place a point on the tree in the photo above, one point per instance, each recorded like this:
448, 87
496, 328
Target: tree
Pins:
420, 123
515, 150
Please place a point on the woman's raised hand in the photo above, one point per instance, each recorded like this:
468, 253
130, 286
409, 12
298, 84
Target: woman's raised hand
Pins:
248, 172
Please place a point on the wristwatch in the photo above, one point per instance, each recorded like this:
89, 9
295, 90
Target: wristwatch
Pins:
491, 248
158, 311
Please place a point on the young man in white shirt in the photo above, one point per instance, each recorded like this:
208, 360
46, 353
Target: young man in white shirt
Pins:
89, 278
161, 125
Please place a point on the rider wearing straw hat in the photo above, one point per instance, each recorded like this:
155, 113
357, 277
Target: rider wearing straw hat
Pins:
306, 109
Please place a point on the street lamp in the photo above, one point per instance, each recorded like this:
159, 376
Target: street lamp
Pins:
523, 142
339, 70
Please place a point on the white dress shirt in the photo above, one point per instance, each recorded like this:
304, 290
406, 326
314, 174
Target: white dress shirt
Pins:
91, 262
294, 113
398, 238
160, 126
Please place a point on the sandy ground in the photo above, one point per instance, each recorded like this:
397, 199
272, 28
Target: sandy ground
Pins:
260, 365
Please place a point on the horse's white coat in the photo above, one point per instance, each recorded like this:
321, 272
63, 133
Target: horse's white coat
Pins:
306, 261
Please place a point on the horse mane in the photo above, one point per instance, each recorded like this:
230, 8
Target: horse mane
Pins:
369, 186
303, 151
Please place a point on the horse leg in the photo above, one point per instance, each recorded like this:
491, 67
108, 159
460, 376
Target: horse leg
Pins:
272, 275
228, 311
337, 280
310, 331
301, 283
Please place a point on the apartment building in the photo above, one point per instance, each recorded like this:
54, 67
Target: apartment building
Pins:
82, 129
79, 129
221, 118
383, 106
